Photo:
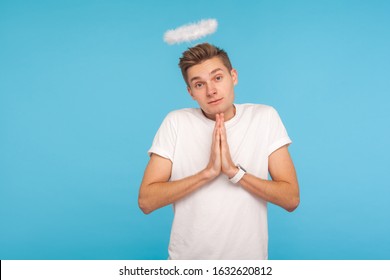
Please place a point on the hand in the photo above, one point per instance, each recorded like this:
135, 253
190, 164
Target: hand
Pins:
227, 164
214, 166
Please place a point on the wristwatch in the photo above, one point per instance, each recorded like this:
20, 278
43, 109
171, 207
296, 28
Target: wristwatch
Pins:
241, 172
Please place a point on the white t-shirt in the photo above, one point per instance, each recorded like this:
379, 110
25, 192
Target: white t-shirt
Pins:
220, 220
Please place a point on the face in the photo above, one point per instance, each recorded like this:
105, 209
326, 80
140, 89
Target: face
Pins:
211, 84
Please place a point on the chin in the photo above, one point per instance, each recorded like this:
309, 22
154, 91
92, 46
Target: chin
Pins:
215, 111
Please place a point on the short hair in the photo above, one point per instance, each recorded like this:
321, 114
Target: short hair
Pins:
200, 53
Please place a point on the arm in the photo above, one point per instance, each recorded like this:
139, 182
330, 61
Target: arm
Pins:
157, 191
283, 190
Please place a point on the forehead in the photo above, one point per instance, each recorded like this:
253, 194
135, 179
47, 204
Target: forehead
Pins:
204, 69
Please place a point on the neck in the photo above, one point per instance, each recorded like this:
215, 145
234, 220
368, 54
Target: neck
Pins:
228, 114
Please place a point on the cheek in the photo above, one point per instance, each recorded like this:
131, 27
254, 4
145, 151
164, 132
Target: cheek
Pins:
229, 89
198, 97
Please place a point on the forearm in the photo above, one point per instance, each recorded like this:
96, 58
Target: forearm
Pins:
159, 194
282, 193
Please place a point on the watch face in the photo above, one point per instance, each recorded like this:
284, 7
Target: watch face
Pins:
239, 166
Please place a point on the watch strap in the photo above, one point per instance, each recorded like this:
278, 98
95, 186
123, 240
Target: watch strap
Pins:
236, 178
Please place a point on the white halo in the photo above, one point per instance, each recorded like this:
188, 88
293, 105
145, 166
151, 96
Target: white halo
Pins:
190, 32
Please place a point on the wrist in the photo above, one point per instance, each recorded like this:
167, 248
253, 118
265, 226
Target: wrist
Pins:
232, 172
208, 174
238, 176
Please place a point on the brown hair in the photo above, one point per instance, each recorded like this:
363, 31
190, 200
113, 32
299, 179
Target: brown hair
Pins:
199, 54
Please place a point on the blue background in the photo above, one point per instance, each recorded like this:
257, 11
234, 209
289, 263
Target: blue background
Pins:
84, 85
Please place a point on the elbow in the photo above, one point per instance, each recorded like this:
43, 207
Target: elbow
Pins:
143, 205
294, 203
294, 200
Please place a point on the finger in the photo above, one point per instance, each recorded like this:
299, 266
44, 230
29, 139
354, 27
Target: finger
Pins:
215, 132
216, 135
222, 120
222, 137
224, 143
223, 132
217, 145
216, 123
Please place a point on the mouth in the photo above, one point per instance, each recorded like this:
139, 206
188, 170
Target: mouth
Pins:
215, 101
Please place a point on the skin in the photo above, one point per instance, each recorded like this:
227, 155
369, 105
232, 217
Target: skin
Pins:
211, 85
212, 81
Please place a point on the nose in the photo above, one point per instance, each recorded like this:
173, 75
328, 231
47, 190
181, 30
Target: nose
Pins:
211, 89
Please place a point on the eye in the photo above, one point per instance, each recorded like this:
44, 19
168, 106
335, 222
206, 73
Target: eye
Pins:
198, 85
218, 78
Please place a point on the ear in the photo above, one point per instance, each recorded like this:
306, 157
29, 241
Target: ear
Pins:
190, 92
234, 75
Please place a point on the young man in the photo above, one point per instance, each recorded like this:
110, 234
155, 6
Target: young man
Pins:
212, 164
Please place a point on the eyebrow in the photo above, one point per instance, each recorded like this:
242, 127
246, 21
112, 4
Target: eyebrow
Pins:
212, 72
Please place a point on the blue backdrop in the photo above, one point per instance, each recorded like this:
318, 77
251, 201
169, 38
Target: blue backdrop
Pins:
84, 85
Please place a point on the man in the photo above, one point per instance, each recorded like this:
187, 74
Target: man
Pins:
212, 164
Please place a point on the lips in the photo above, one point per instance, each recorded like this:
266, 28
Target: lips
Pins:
215, 101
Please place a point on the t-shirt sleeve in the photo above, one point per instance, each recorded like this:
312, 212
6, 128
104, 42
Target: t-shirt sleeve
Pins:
165, 139
278, 136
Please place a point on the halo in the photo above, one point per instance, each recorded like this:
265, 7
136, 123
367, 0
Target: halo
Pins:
191, 32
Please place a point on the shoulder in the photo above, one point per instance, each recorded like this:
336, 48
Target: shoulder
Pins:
256, 109
176, 117
182, 113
